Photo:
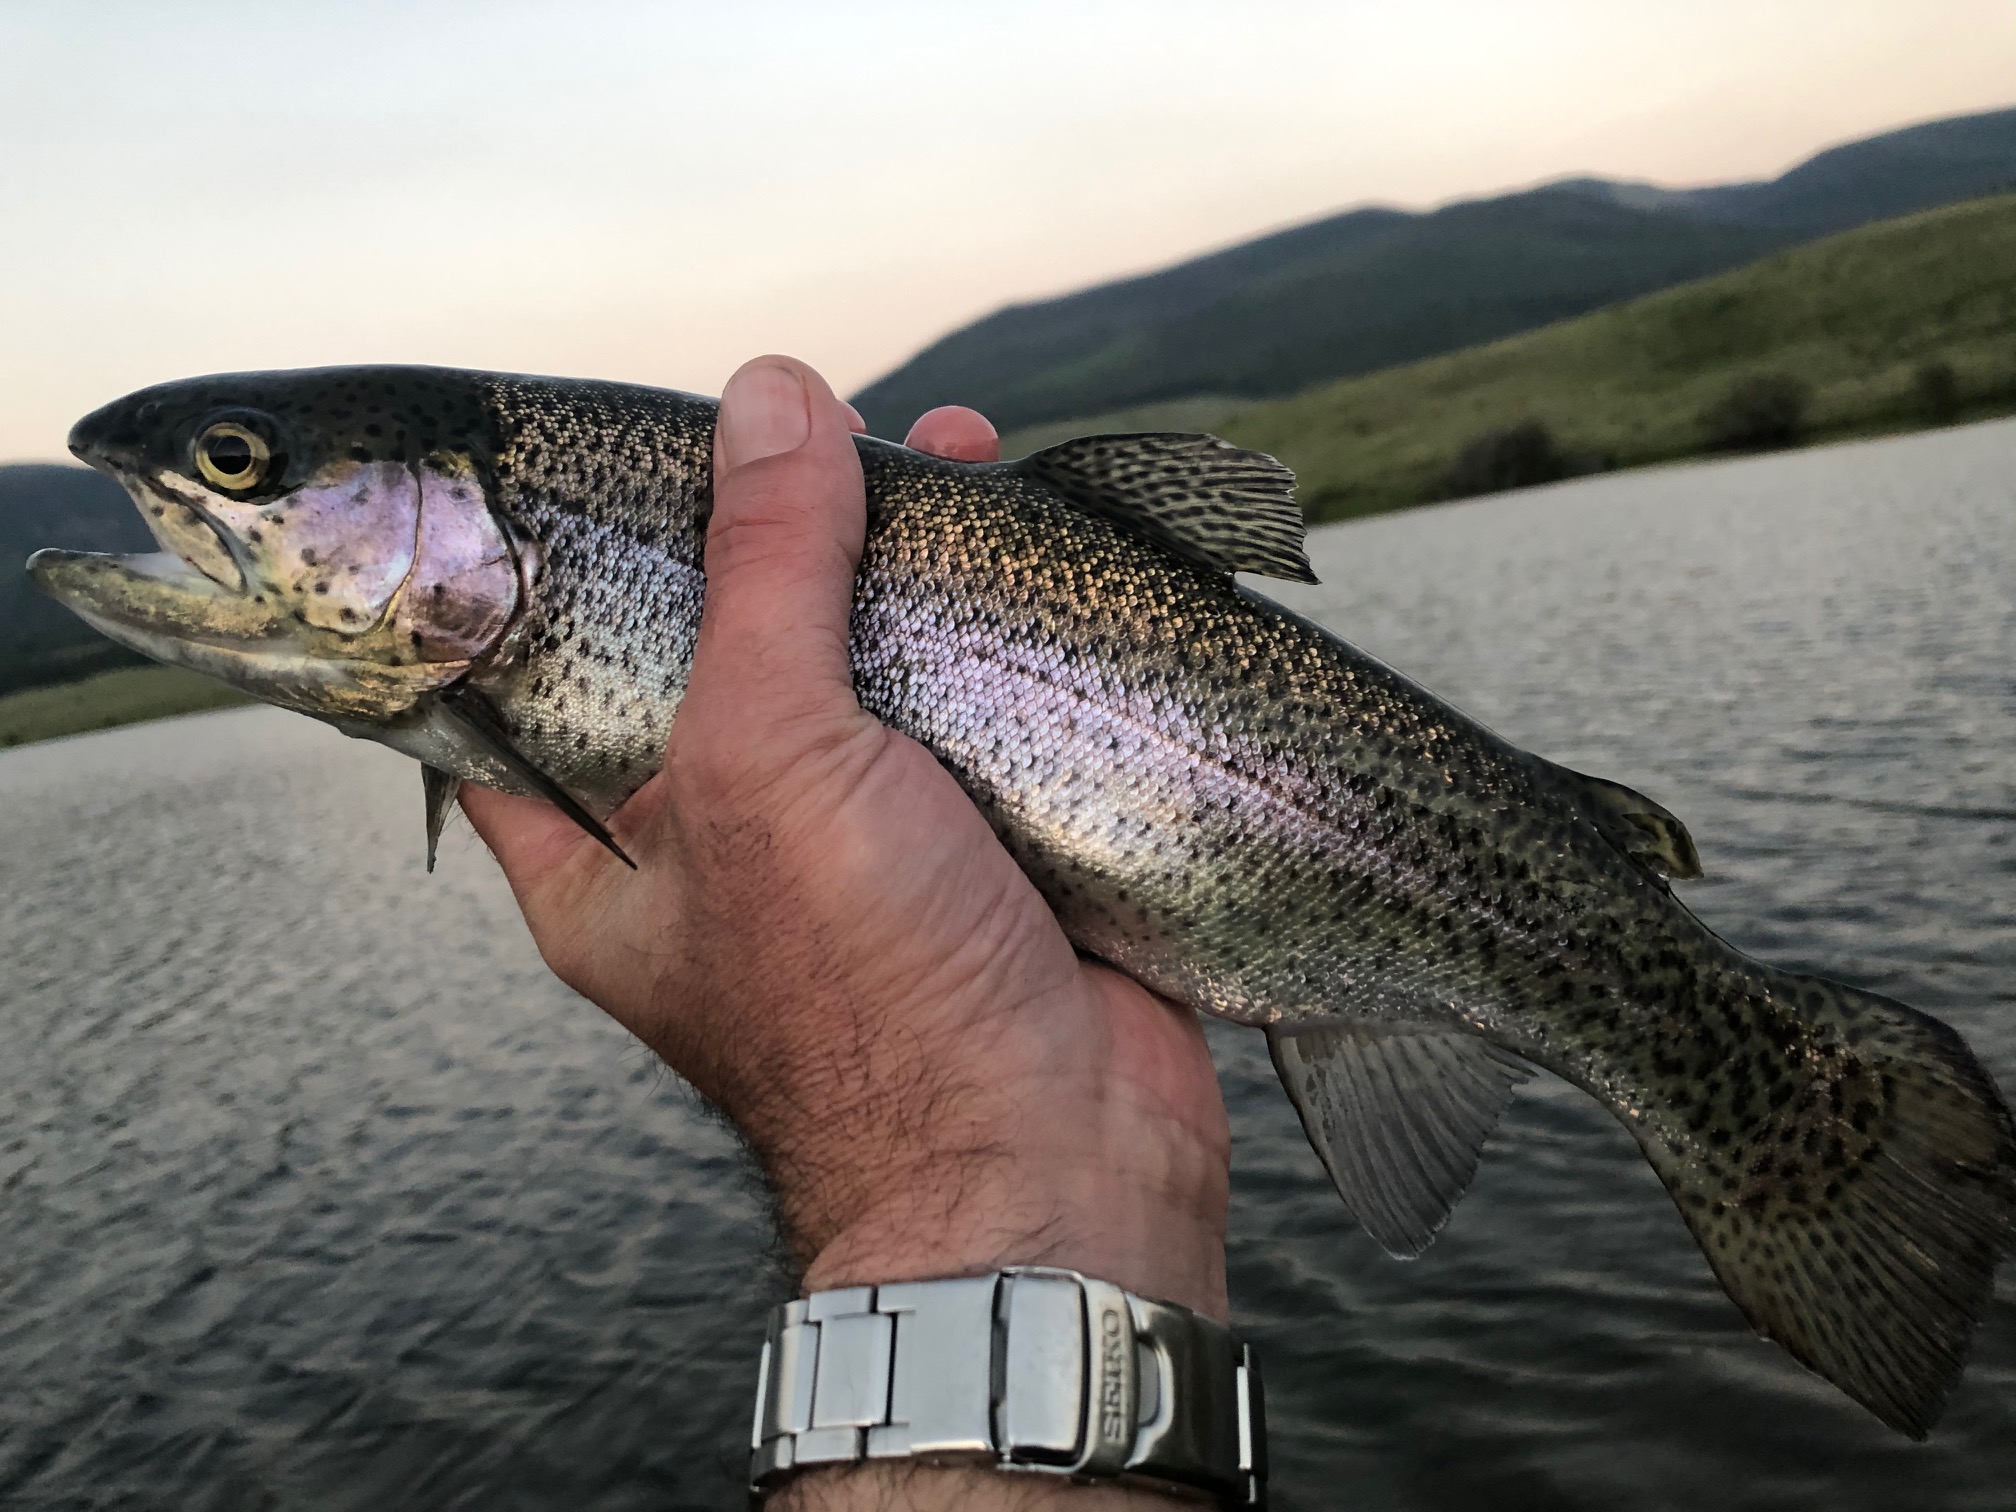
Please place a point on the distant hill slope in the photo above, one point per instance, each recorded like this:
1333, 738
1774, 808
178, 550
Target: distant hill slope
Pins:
1859, 318
55, 505
1373, 288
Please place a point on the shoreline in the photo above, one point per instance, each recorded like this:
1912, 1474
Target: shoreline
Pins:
107, 700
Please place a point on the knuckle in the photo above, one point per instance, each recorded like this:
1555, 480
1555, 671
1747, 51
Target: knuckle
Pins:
773, 547
703, 776
796, 756
787, 508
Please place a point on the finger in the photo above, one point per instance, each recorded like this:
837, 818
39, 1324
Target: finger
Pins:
531, 839
782, 548
854, 421
954, 431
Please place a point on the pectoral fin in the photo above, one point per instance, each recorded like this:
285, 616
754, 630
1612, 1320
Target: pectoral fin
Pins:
441, 790
479, 719
1398, 1115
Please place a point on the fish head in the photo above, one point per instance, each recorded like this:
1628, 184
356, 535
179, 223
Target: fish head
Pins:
328, 541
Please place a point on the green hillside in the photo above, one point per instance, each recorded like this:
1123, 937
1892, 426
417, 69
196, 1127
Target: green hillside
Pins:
125, 696
1906, 323
1367, 291
56, 504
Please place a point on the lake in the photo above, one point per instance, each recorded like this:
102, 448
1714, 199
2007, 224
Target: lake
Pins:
316, 1191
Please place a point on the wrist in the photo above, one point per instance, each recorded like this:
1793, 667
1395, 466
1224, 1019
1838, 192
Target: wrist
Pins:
972, 1488
1036, 1374
1150, 1239
1012, 1149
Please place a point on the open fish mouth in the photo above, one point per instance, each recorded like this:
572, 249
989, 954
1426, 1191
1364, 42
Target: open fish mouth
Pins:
192, 604
176, 515
160, 605
350, 593
151, 600
192, 590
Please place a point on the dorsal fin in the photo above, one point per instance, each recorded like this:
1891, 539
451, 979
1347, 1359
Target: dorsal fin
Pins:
1199, 497
1645, 831
1399, 1115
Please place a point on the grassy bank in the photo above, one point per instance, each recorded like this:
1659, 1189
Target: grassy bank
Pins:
1855, 319
126, 696
1896, 326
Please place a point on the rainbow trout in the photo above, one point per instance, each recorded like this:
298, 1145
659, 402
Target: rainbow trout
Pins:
501, 577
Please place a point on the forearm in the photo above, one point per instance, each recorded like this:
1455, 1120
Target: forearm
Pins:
1147, 1214
826, 938
1065, 1161
1124, 1197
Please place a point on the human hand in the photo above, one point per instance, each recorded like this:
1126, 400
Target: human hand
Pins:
825, 938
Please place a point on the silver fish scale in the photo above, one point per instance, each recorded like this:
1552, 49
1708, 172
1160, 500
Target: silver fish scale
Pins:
1226, 801
614, 495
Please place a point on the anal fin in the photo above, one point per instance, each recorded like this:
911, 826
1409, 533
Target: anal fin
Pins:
1398, 1114
441, 789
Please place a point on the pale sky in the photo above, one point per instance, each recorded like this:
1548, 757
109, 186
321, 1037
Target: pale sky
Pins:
656, 191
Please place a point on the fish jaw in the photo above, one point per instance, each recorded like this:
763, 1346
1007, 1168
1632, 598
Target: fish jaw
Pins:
160, 605
349, 595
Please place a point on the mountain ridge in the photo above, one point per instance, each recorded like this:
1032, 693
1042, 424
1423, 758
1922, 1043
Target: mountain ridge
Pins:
1374, 286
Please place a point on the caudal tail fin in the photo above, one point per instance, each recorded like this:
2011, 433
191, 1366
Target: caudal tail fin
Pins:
1854, 1191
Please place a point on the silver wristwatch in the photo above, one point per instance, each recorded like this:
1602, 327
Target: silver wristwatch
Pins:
1027, 1369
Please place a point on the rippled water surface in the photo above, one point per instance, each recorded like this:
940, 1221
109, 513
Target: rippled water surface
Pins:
315, 1190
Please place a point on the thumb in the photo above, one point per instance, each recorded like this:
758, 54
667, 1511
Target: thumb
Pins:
782, 548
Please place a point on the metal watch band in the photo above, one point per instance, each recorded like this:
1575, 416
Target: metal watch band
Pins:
1027, 1369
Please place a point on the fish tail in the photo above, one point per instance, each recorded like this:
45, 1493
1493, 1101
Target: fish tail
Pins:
1852, 1180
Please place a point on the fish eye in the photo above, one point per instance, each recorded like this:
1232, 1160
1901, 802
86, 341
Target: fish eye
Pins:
233, 456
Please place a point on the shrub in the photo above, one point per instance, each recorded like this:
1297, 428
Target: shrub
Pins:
1938, 389
1759, 411
1518, 457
